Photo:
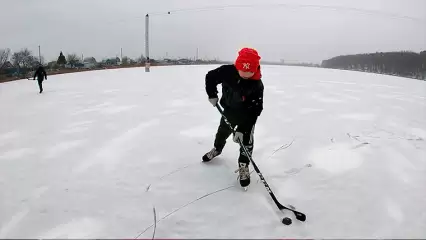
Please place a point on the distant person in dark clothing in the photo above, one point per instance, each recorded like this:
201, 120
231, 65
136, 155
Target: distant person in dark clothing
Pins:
40, 74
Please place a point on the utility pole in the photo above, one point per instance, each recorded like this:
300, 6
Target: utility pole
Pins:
147, 64
39, 54
196, 56
121, 54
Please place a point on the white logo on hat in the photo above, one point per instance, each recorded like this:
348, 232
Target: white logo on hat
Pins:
246, 65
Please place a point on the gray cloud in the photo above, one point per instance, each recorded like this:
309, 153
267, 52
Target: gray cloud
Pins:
100, 28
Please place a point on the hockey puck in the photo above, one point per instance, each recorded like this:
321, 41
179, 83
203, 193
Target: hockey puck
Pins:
286, 221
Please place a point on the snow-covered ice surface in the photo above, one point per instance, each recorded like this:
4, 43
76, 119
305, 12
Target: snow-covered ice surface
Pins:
94, 154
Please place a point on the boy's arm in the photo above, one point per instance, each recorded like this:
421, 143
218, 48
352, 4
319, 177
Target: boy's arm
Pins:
213, 78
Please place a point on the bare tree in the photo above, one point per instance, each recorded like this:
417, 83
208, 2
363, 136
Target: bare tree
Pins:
4, 56
24, 60
31, 61
73, 59
17, 59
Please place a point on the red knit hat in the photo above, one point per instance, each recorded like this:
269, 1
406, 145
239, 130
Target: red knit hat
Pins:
248, 60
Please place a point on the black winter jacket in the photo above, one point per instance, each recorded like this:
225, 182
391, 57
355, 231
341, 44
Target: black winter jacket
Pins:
40, 74
242, 99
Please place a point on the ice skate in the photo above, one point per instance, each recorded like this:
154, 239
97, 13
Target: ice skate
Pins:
244, 175
210, 155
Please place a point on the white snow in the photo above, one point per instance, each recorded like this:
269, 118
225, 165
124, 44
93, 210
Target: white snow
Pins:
336, 158
359, 116
94, 154
309, 110
15, 153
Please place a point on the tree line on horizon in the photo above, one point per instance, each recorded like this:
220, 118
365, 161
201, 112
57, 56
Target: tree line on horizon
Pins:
24, 58
403, 63
22, 62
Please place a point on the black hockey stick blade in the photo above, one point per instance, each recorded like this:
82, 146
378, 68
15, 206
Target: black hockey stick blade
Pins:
299, 216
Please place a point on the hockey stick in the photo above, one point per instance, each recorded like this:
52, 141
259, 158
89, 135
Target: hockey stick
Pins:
299, 216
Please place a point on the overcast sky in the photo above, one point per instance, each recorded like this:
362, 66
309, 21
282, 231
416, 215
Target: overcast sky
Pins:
100, 28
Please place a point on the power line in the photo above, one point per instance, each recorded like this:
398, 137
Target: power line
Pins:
293, 6
284, 5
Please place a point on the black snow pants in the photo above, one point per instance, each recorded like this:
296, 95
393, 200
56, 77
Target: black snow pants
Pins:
40, 84
223, 133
